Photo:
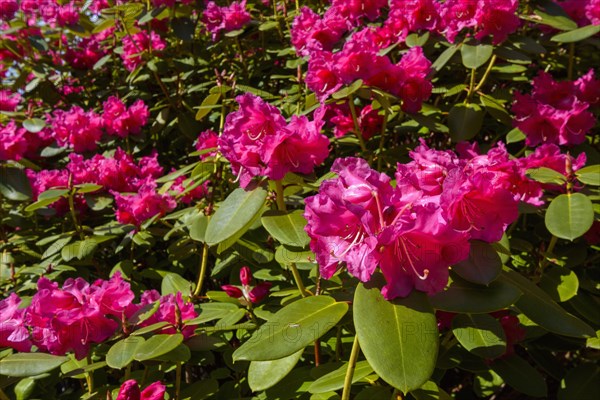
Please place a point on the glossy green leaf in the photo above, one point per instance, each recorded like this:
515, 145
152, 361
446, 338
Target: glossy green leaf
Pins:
482, 266
286, 227
443, 58
29, 364
515, 135
208, 104
576, 34
292, 328
173, 283
465, 297
265, 374
34, 125
24, 389
399, 338
481, 334
157, 345
197, 226
14, 184
589, 175
495, 108
560, 283
487, 383
122, 353
474, 57
541, 309
429, 391
569, 216
348, 90
335, 379
546, 175
465, 121
582, 382
517, 373
212, 311
235, 214
46, 198
555, 16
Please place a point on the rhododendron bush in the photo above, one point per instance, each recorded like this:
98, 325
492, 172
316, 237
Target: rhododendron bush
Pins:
259, 199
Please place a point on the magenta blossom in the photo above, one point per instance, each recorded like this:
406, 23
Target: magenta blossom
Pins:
77, 128
217, 19
130, 390
137, 45
9, 100
13, 331
13, 142
146, 203
247, 294
119, 120
172, 309
257, 141
207, 140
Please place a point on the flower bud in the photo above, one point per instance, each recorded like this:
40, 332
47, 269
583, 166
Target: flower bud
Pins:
245, 276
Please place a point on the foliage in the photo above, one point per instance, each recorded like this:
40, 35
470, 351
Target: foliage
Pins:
367, 199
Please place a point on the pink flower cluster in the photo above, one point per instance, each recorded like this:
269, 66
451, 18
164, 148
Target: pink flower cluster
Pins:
557, 112
51, 12
415, 230
82, 130
137, 45
339, 115
247, 294
119, 120
229, 18
257, 141
130, 390
13, 142
9, 100
73, 317
584, 12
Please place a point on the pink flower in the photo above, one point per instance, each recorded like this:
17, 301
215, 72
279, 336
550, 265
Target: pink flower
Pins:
588, 88
181, 185
172, 309
13, 142
369, 120
497, 18
13, 331
556, 112
311, 33
592, 11
130, 390
354, 10
247, 294
137, 45
67, 319
226, 19
322, 76
257, 141
87, 52
9, 100
418, 14
8, 8
68, 14
122, 121
77, 128
146, 203
414, 86
207, 140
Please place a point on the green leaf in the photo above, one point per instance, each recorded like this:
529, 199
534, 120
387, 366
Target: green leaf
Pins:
157, 345
515, 135
286, 227
24, 389
173, 283
292, 328
122, 353
541, 309
265, 374
235, 215
570, 215
589, 175
517, 373
335, 379
465, 121
481, 334
266, 26
560, 283
197, 226
80, 249
208, 104
465, 297
496, 109
582, 382
399, 338
348, 90
443, 58
29, 364
429, 391
482, 266
34, 125
556, 17
14, 184
474, 57
46, 198
212, 311
576, 34
546, 175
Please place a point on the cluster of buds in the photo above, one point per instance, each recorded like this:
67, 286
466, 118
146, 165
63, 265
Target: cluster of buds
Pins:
247, 295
